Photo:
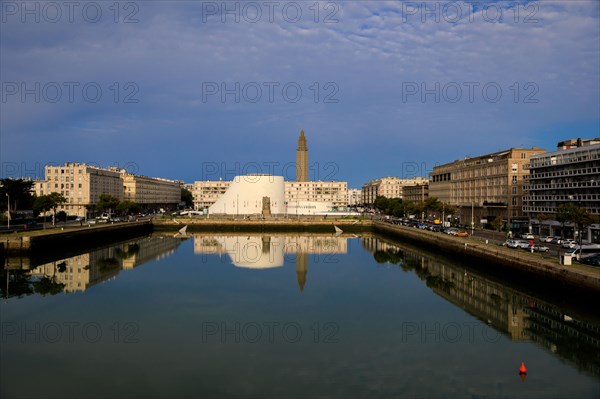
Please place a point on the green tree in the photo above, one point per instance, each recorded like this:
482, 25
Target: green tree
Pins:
582, 219
381, 203
431, 204
542, 217
565, 213
187, 197
20, 193
47, 202
61, 216
447, 210
497, 223
46, 285
127, 207
107, 203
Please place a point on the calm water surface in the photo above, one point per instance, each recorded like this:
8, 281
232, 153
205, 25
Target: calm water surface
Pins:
284, 316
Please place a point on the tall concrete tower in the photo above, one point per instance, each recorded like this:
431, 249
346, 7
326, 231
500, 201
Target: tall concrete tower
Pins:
302, 159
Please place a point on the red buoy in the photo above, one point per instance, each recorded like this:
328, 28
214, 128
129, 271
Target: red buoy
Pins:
522, 369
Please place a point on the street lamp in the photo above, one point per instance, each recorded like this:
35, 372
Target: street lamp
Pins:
8, 207
472, 217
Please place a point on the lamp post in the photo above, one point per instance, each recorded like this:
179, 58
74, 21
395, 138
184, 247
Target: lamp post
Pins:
8, 208
472, 217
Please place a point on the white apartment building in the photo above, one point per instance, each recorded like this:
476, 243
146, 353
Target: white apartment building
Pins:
354, 197
207, 192
334, 192
151, 191
82, 185
389, 187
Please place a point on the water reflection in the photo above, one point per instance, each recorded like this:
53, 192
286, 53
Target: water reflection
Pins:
520, 316
269, 251
200, 312
80, 272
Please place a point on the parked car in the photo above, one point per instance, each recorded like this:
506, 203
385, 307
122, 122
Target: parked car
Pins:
523, 244
527, 236
512, 243
568, 243
546, 238
556, 240
461, 233
593, 260
451, 230
540, 248
585, 251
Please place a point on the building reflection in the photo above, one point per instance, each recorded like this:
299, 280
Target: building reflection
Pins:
269, 251
517, 315
80, 272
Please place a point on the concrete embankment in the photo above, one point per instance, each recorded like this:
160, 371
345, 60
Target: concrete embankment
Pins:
43, 243
496, 257
292, 225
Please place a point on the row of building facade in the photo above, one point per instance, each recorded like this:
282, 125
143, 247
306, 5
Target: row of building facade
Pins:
82, 185
516, 185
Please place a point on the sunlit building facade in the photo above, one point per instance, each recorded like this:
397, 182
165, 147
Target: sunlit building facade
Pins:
485, 187
389, 187
571, 174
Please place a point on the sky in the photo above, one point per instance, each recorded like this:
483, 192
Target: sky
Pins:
193, 90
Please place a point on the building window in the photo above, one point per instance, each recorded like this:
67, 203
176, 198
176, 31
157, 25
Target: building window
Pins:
514, 179
515, 168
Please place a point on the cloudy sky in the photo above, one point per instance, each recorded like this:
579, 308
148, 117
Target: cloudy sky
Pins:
200, 90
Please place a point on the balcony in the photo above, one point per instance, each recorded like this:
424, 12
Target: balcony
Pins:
565, 173
562, 186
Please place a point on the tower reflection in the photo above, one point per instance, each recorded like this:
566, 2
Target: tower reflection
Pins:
270, 251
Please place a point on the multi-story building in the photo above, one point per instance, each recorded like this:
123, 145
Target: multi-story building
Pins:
335, 192
416, 194
389, 187
150, 191
354, 197
569, 175
485, 187
81, 185
208, 192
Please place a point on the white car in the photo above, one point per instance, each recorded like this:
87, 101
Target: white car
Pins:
568, 243
516, 243
527, 236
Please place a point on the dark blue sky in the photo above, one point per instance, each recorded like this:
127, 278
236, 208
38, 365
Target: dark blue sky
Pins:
190, 90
